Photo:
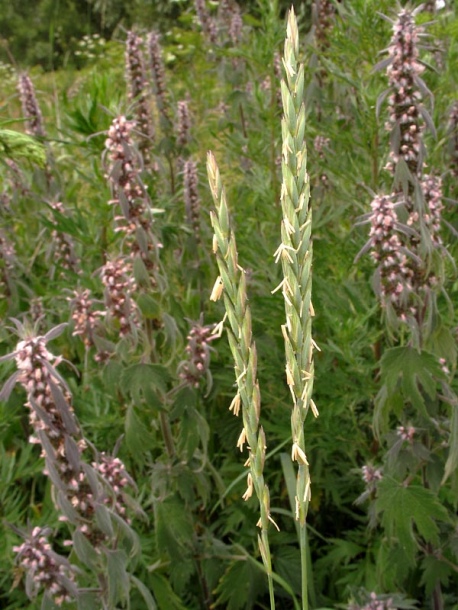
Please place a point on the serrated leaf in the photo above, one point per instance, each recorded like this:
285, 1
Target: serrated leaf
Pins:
174, 528
240, 586
452, 460
414, 372
164, 594
138, 437
402, 507
434, 571
139, 378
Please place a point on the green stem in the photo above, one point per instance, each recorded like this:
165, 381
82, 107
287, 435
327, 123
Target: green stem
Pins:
303, 549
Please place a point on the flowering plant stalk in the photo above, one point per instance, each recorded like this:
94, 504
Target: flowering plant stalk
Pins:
231, 283
295, 254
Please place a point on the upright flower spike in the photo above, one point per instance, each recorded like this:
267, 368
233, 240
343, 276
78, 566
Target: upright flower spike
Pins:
158, 73
30, 108
138, 93
232, 285
183, 128
295, 254
407, 114
129, 193
191, 197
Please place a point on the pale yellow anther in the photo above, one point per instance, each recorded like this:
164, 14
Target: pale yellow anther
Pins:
217, 289
235, 405
298, 455
241, 440
249, 491
314, 408
289, 376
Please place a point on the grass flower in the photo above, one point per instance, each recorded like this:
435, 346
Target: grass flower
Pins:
231, 284
295, 255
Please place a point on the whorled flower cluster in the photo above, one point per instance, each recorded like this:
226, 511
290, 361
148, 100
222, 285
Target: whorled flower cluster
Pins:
115, 474
452, 132
191, 196
139, 93
46, 569
63, 247
406, 122
431, 187
183, 125
196, 366
389, 253
158, 73
80, 491
371, 476
30, 108
323, 20
85, 319
128, 191
119, 285
375, 602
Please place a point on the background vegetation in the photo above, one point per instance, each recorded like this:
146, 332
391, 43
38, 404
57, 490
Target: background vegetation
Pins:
192, 539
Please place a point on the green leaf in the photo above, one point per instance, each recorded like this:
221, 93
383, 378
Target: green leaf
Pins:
452, 460
174, 530
15, 145
415, 373
145, 593
149, 307
84, 550
240, 586
405, 506
141, 380
117, 576
434, 571
164, 594
138, 438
